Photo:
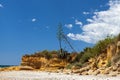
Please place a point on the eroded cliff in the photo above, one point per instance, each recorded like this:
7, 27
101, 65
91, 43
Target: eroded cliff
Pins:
106, 62
43, 63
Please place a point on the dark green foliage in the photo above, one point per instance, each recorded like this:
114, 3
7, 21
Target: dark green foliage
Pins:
26, 55
50, 54
85, 57
96, 50
109, 64
78, 57
63, 55
78, 64
45, 53
69, 66
118, 37
102, 45
53, 53
69, 58
75, 65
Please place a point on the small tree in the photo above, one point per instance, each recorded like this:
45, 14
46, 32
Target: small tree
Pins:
60, 36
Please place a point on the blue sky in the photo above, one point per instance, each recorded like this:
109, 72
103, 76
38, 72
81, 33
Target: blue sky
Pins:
27, 26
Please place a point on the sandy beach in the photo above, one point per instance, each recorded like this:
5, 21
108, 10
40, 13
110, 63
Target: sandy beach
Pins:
38, 75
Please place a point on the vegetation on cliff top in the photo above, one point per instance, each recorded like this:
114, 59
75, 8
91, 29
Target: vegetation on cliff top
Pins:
79, 58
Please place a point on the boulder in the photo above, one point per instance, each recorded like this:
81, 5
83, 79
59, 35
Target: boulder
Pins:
75, 67
90, 72
107, 71
96, 72
67, 71
113, 74
114, 68
84, 73
77, 71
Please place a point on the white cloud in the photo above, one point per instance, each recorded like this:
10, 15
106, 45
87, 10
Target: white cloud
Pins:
89, 20
102, 24
34, 20
1, 6
86, 13
69, 26
78, 22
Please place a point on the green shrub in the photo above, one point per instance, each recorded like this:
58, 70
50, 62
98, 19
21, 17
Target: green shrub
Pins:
85, 57
78, 57
63, 55
102, 44
69, 66
109, 64
98, 48
78, 64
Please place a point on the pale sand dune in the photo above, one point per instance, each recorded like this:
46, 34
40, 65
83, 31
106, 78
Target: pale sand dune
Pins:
37, 75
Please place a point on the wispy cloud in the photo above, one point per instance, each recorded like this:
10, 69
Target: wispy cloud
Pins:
69, 26
1, 6
86, 13
90, 20
78, 22
102, 24
34, 20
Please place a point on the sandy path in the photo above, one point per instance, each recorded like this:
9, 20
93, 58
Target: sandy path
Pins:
37, 75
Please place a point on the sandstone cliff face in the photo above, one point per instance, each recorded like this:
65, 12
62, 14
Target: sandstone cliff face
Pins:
109, 58
43, 63
112, 52
35, 62
101, 64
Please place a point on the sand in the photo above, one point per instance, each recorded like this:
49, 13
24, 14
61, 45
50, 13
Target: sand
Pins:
38, 75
